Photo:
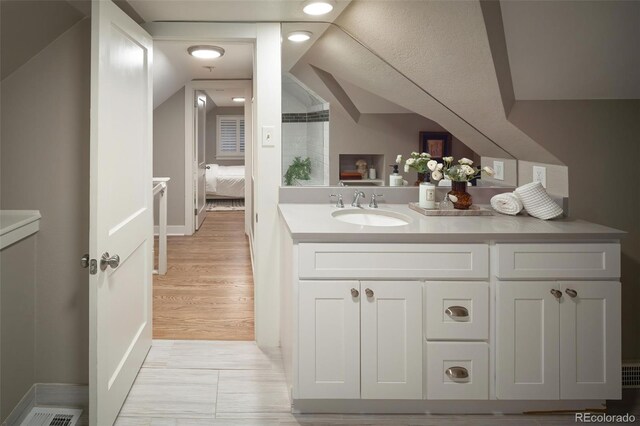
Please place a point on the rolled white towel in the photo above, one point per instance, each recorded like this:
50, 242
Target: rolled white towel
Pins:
507, 203
537, 202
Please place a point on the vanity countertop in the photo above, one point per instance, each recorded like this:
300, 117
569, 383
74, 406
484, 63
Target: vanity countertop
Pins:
314, 223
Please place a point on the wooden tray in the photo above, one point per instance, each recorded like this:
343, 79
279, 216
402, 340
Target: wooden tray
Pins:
474, 210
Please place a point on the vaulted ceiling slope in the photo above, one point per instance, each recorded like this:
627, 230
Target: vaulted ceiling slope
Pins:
444, 48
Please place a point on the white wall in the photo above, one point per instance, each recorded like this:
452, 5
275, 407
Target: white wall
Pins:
45, 166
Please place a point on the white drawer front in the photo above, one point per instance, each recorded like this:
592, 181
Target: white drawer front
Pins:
472, 357
446, 305
558, 261
372, 261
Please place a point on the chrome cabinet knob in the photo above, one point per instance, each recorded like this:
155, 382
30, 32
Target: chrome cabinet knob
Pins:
354, 292
556, 293
107, 260
457, 373
368, 292
457, 312
571, 292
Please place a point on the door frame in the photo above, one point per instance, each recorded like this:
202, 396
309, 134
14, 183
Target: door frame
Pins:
189, 135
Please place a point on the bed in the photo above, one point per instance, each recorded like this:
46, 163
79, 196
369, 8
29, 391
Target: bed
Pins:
225, 181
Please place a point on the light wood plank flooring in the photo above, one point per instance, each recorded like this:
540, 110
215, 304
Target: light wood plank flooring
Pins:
207, 293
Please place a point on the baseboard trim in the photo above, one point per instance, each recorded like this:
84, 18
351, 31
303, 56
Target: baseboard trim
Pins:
49, 394
22, 409
172, 230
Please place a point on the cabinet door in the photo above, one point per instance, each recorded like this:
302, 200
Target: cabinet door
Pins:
329, 339
391, 327
527, 341
590, 340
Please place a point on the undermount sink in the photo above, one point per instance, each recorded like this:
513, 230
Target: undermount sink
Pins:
371, 217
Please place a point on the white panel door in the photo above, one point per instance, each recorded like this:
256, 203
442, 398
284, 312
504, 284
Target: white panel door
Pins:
121, 218
527, 341
590, 340
329, 339
200, 165
391, 333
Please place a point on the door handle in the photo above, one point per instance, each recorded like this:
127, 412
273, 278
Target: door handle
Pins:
107, 260
368, 292
84, 261
354, 292
457, 373
556, 293
571, 292
457, 312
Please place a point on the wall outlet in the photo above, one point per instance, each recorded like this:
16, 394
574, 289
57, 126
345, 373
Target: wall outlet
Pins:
540, 175
268, 138
498, 168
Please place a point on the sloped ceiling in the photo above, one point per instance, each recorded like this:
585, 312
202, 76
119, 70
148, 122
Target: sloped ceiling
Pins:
570, 50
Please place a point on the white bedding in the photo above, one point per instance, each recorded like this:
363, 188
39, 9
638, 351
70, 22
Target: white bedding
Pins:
225, 181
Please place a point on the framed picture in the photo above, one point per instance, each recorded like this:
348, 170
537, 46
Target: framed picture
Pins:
438, 144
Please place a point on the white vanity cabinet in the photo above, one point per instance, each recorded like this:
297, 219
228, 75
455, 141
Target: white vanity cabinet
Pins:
558, 338
360, 339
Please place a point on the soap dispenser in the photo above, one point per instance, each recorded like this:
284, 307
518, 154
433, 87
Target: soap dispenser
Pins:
395, 179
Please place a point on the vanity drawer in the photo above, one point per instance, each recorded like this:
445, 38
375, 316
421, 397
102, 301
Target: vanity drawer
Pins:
456, 311
397, 261
444, 360
558, 261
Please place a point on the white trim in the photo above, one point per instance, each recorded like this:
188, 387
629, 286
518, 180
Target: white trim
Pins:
172, 230
22, 408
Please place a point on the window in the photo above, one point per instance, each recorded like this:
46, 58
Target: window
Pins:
230, 134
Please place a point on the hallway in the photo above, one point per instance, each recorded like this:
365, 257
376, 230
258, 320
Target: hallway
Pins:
207, 293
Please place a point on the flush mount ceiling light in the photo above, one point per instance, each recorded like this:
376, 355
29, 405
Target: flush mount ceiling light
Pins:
237, 99
299, 36
206, 52
317, 7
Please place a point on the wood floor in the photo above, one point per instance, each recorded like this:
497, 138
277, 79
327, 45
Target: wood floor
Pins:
207, 293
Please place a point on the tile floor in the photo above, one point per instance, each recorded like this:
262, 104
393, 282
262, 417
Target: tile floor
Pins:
185, 383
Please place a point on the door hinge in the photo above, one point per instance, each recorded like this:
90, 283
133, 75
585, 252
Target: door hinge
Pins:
256, 217
195, 211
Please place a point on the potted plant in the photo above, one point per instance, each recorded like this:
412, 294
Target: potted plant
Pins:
459, 174
298, 170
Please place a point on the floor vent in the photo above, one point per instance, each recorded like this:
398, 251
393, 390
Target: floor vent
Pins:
54, 416
631, 375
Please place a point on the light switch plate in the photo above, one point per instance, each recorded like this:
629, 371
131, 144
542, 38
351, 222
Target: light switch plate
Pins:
268, 137
540, 175
498, 168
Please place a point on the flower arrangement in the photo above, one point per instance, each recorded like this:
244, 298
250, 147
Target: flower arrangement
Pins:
461, 172
419, 162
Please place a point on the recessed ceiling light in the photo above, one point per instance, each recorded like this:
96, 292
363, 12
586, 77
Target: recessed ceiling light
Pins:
206, 52
237, 99
299, 36
317, 7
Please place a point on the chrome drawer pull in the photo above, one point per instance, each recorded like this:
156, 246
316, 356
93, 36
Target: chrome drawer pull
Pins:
354, 292
571, 292
368, 292
457, 312
556, 293
457, 373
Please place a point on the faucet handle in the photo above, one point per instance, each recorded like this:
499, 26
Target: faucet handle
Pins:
374, 200
340, 203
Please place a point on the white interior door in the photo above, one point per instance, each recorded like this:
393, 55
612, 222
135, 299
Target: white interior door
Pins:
199, 160
121, 221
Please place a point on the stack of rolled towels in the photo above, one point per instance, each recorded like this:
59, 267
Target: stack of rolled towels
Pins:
531, 197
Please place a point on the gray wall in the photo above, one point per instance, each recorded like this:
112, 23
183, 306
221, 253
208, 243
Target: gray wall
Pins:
599, 141
168, 153
386, 134
212, 117
45, 166
17, 266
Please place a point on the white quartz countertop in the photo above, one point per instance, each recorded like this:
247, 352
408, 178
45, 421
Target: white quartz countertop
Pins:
314, 223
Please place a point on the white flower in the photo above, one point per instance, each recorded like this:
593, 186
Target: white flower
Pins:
488, 170
406, 168
410, 161
453, 198
432, 164
425, 155
436, 175
468, 170
439, 166
465, 161
399, 159
415, 154
447, 159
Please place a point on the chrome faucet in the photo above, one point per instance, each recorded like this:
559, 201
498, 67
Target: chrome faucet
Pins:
356, 198
340, 203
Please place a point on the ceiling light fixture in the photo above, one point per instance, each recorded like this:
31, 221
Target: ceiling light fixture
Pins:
206, 52
237, 99
299, 36
317, 7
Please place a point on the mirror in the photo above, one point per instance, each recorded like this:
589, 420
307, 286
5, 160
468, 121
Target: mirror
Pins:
347, 114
